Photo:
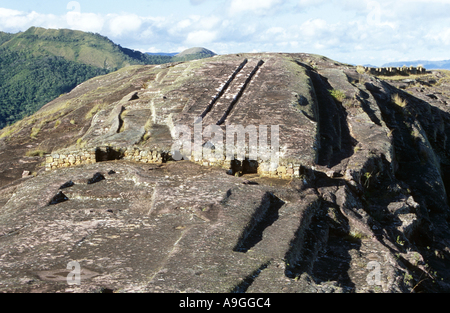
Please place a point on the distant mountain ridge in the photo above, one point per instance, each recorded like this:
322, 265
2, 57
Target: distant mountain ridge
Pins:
87, 48
187, 55
429, 65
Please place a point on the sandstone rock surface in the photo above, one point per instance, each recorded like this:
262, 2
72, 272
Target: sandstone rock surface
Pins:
361, 184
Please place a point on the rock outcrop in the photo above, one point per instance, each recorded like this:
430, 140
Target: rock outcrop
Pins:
358, 201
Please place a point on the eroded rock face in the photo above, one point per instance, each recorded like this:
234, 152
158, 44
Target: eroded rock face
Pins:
358, 202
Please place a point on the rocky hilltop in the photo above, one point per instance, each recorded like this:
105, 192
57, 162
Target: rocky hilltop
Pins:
357, 201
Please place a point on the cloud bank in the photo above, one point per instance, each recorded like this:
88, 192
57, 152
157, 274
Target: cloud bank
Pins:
354, 31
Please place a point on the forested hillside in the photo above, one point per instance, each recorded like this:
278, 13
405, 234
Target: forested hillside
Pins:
28, 82
38, 65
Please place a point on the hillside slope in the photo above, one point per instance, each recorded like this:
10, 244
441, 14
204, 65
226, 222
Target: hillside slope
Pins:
38, 65
81, 47
358, 201
193, 54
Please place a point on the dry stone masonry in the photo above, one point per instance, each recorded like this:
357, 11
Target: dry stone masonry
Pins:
393, 71
66, 158
63, 159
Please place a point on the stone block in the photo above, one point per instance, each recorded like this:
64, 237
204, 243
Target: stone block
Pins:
281, 169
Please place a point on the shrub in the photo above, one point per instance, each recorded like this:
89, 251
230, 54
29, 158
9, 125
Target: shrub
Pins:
338, 95
360, 69
399, 101
35, 131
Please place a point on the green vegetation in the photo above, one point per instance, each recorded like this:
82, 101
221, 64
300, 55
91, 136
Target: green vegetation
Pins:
28, 82
354, 236
338, 95
193, 54
93, 111
33, 153
80, 143
39, 65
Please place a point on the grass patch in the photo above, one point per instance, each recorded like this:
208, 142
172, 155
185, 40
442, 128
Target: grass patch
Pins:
147, 127
8, 131
93, 111
80, 143
34, 153
35, 131
337, 95
354, 236
399, 101
403, 77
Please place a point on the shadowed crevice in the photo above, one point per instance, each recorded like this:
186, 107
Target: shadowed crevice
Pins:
59, 198
264, 216
248, 281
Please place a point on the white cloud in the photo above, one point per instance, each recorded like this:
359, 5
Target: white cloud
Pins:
314, 28
85, 21
124, 24
440, 37
200, 38
307, 3
344, 28
14, 21
255, 6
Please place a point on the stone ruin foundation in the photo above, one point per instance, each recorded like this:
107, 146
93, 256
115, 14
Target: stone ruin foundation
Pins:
64, 158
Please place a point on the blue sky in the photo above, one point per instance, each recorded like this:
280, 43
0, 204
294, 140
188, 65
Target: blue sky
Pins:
353, 31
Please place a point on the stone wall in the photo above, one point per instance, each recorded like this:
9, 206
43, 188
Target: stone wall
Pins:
68, 158
145, 156
283, 170
392, 71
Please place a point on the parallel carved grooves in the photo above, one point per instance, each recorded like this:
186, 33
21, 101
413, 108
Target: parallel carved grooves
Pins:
223, 89
240, 93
